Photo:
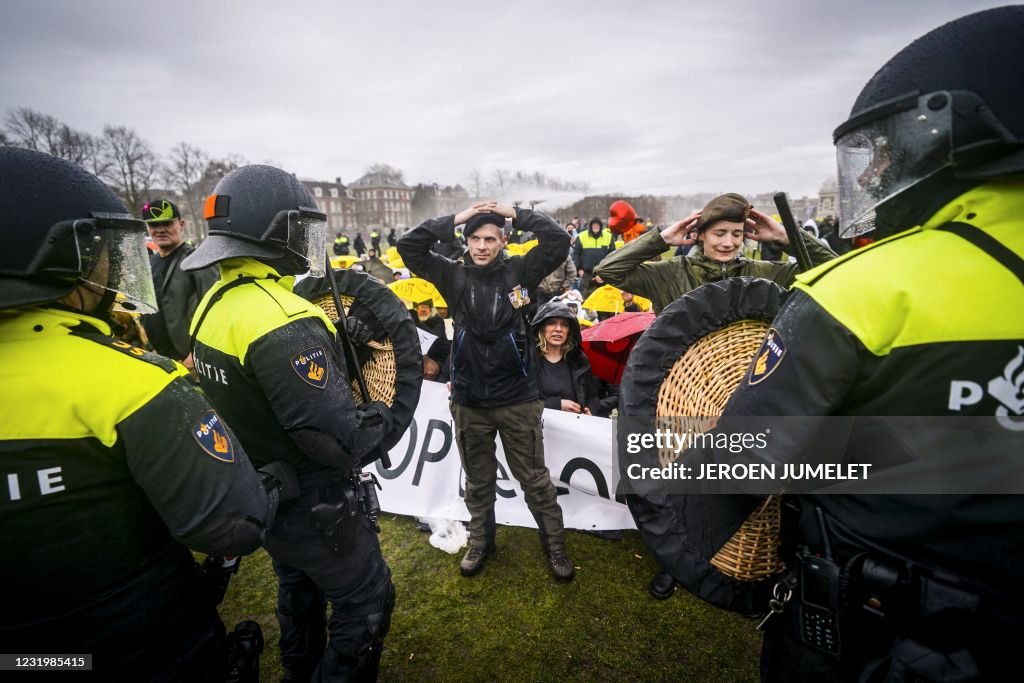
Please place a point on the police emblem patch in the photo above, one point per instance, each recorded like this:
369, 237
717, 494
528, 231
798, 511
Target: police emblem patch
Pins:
519, 296
212, 436
311, 366
768, 356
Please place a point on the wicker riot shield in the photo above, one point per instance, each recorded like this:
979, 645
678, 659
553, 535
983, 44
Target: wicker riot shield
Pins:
393, 364
722, 548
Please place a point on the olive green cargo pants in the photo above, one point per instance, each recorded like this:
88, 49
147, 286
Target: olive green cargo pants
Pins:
519, 427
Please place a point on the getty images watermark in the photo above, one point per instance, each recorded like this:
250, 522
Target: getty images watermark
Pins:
765, 455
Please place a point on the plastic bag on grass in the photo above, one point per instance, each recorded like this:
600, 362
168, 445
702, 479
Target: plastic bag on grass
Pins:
449, 535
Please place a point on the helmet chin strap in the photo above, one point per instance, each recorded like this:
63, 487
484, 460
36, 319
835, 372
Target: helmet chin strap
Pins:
918, 203
101, 310
288, 263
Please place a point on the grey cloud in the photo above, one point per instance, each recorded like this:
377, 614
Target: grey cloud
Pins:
627, 95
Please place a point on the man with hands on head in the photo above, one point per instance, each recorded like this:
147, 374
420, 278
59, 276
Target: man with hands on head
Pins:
718, 229
494, 363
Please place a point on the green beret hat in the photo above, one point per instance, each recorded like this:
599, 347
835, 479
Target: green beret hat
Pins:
727, 207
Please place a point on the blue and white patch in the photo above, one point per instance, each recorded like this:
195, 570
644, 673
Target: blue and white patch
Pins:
212, 436
768, 356
311, 366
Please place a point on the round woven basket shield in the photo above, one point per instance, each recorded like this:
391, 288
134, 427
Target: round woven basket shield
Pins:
685, 367
392, 365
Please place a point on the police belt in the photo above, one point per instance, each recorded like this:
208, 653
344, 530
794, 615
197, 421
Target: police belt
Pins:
901, 591
334, 507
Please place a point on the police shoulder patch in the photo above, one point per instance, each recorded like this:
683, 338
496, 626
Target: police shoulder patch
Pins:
311, 366
212, 436
768, 356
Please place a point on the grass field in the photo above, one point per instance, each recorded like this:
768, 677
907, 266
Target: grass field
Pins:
512, 622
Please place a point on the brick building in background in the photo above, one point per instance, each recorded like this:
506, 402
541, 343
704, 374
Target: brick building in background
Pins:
335, 200
383, 201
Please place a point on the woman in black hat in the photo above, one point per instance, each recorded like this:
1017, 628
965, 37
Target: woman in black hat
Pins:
566, 380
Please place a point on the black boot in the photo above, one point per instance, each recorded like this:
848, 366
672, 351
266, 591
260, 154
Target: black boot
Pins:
662, 586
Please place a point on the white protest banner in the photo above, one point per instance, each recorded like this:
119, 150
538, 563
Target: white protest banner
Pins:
426, 339
426, 479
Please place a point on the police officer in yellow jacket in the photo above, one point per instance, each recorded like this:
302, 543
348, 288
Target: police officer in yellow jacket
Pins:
112, 462
928, 322
341, 245
269, 361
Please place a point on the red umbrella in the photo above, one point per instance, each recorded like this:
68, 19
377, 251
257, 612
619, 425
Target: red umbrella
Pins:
608, 343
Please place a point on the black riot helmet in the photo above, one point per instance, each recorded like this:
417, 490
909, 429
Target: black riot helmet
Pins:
264, 213
943, 115
61, 227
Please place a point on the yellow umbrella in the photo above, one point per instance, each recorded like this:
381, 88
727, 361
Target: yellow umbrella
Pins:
416, 289
395, 262
343, 261
608, 299
520, 249
391, 254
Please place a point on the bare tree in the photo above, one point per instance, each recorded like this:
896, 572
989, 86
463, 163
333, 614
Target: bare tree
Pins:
476, 182
32, 129
45, 133
185, 170
133, 166
386, 171
501, 179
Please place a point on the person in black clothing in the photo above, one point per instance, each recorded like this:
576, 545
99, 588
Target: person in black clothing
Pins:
493, 370
113, 461
270, 361
341, 245
392, 238
359, 245
915, 573
435, 361
566, 381
588, 251
629, 304
177, 292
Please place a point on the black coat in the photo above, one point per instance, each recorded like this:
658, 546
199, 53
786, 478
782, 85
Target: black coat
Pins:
178, 295
493, 354
584, 385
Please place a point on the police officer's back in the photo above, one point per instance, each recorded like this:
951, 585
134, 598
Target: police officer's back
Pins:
269, 361
925, 323
112, 460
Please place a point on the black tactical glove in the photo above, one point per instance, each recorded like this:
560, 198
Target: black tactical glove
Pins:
375, 414
281, 476
358, 331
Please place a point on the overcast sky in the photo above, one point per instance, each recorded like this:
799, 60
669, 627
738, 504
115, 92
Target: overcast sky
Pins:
630, 96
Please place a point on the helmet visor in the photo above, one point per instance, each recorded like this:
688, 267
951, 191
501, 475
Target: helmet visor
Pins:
307, 237
114, 257
883, 157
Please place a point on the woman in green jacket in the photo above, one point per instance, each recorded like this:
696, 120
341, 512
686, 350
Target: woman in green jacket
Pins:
718, 230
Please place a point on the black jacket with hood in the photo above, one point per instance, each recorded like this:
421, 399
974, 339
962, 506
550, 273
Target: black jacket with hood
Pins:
585, 388
493, 356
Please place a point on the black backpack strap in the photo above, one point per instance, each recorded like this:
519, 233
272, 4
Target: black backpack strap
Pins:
990, 245
244, 280
165, 364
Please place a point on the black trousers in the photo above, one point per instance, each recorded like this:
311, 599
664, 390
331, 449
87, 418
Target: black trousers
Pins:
355, 580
